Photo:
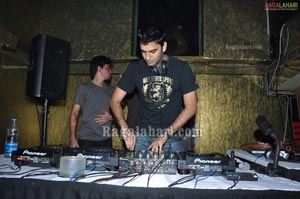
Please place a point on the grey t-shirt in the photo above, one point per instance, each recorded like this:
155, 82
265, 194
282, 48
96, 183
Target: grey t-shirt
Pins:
93, 100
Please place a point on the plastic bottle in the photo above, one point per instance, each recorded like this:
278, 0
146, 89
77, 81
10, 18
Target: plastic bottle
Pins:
11, 142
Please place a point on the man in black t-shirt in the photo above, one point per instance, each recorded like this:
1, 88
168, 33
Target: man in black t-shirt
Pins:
164, 85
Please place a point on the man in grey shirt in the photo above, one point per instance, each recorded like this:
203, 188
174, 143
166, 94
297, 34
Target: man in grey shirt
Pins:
92, 100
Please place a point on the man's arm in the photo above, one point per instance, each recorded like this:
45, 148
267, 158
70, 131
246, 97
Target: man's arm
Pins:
105, 117
190, 109
115, 105
73, 122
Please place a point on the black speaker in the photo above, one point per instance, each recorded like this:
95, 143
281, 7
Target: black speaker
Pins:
47, 76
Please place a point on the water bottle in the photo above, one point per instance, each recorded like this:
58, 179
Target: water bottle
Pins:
11, 143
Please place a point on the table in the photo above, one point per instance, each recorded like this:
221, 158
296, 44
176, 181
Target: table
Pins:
53, 186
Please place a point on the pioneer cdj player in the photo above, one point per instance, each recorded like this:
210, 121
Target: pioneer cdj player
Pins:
37, 156
46, 157
206, 164
102, 158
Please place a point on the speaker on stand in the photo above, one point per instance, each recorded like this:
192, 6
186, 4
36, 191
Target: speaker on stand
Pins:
47, 76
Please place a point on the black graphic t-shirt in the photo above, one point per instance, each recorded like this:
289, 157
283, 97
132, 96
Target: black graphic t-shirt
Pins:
160, 95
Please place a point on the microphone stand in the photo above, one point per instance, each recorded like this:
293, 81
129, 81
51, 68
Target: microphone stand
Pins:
275, 170
269, 130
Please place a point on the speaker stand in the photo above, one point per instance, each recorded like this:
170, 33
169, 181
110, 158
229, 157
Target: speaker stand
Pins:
45, 119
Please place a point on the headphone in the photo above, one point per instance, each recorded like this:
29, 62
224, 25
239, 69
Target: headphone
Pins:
161, 69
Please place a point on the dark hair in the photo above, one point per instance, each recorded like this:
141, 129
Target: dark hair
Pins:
98, 61
151, 33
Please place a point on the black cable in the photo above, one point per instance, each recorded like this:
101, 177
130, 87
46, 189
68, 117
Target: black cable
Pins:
132, 179
16, 172
118, 175
234, 184
152, 172
158, 165
94, 174
183, 180
9, 166
39, 173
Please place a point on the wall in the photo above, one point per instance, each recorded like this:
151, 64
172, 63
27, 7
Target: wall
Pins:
235, 29
20, 20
